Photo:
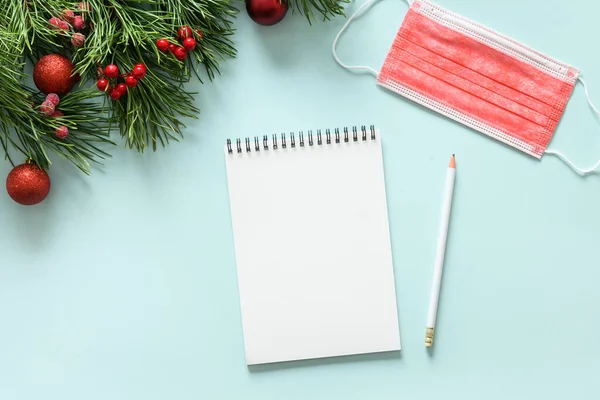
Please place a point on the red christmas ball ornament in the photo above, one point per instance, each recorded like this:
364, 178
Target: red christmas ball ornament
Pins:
102, 84
184, 32
131, 81
139, 71
180, 53
28, 184
266, 12
53, 73
122, 88
172, 47
189, 44
162, 44
115, 93
57, 113
200, 34
111, 71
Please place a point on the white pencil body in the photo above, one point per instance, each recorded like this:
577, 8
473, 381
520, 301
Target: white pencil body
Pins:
441, 251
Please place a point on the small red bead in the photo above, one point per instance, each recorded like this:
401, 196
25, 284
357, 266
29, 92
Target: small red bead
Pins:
184, 32
115, 94
122, 88
162, 44
102, 84
172, 47
180, 53
111, 71
131, 81
189, 44
200, 34
139, 71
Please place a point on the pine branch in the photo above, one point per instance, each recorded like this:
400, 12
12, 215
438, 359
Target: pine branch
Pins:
125, 33
23, 127
327, 9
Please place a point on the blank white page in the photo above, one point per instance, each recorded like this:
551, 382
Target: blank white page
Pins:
312, 246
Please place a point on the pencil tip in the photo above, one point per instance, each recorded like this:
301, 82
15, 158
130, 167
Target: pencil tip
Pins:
452, 162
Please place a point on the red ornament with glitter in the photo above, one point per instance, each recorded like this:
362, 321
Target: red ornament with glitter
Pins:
266, 12
53, 73
28, 184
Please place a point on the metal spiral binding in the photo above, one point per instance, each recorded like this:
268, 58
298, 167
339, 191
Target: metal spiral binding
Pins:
290, 138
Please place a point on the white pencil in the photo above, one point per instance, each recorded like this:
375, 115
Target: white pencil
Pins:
441, 250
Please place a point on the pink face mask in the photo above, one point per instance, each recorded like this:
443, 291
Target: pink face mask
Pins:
478, 77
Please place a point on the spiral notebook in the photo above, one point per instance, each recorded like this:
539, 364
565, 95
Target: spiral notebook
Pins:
312, 245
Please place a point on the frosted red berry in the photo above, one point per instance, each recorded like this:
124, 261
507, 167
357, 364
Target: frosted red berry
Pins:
78, 22
62, 132
68, 15
47, 107
53, 98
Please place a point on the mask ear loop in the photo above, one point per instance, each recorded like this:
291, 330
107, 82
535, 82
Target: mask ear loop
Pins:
358, 12
565, 159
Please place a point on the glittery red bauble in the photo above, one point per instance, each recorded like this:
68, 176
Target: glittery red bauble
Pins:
53, 73
28, 184
266, 12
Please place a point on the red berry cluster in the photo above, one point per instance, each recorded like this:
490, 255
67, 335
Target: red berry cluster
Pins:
188, 43
68, 19
116, 90
49, 106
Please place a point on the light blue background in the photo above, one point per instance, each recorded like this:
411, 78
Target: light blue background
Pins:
123, 285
